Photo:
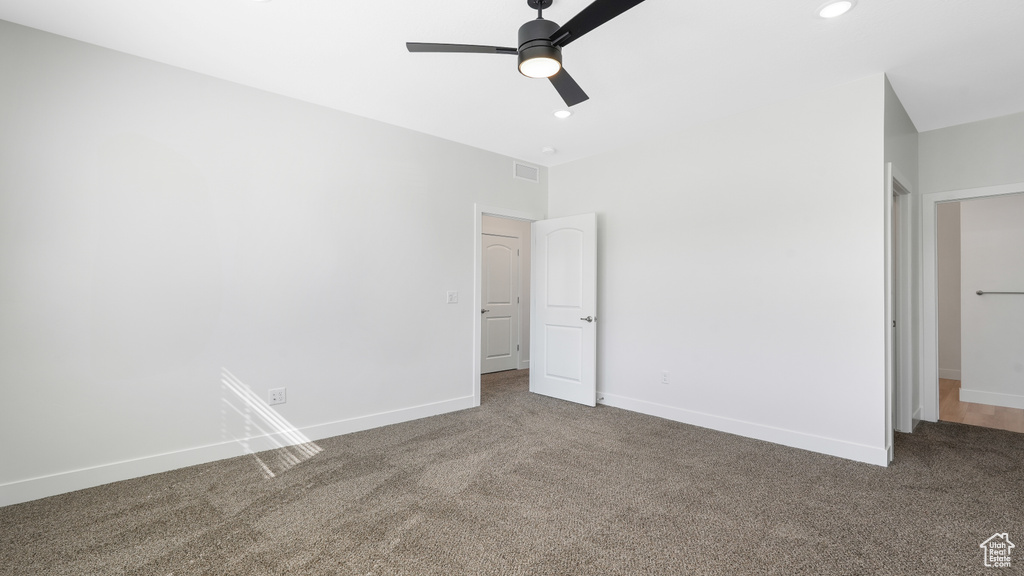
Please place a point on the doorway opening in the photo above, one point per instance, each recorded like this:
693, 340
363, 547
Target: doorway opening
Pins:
987, 302
505, 228
979, 243
563, 304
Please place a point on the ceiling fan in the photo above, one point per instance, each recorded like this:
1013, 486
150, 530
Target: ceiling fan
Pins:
541, 42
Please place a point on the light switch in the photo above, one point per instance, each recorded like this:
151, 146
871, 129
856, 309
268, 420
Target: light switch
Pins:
453, 297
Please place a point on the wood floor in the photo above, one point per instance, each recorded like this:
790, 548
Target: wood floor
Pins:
951, 409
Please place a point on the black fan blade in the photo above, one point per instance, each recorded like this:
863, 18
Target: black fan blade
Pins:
469, 48
568, 89
599, 12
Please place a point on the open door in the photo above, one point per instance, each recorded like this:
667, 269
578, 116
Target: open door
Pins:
563, 326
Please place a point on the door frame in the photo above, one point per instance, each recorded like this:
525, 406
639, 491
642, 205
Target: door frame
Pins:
898, 301
479, 211
930, 305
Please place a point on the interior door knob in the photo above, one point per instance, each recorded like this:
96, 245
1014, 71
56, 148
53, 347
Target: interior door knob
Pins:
484, 310
588, 318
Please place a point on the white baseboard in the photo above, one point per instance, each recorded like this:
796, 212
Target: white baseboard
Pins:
992, 398
524, 364
949, 373
43, 486
877, 455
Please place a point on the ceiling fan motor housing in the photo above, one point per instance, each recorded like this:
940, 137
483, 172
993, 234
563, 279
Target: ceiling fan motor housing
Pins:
535, 41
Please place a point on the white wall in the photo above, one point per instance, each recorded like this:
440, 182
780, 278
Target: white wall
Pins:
746, 258
985, 153
947, 242
158, 227
519, 229
901, 139
992, 251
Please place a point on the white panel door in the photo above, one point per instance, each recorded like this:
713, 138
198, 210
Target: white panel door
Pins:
563, 330
499, 324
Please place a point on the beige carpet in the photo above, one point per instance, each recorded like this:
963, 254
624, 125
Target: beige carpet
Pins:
531, 485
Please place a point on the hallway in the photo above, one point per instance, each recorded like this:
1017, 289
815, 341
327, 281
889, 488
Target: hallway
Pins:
951, 409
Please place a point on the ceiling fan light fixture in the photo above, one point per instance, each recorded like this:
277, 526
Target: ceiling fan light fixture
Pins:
540, 67
538, 57
540, 61
541, 42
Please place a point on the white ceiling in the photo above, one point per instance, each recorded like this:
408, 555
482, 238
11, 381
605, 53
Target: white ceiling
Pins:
660, 67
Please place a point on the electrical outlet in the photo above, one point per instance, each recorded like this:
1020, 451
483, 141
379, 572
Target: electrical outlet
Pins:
453, 297
664, 377
277, 395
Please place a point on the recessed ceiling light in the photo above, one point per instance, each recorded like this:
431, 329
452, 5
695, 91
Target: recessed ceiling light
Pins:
563, 114
548, 150
833, 9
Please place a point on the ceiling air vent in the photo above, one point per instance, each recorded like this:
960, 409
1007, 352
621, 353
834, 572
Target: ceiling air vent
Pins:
525, 171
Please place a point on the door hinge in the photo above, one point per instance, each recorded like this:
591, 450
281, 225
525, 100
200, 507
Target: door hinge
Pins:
517, 347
